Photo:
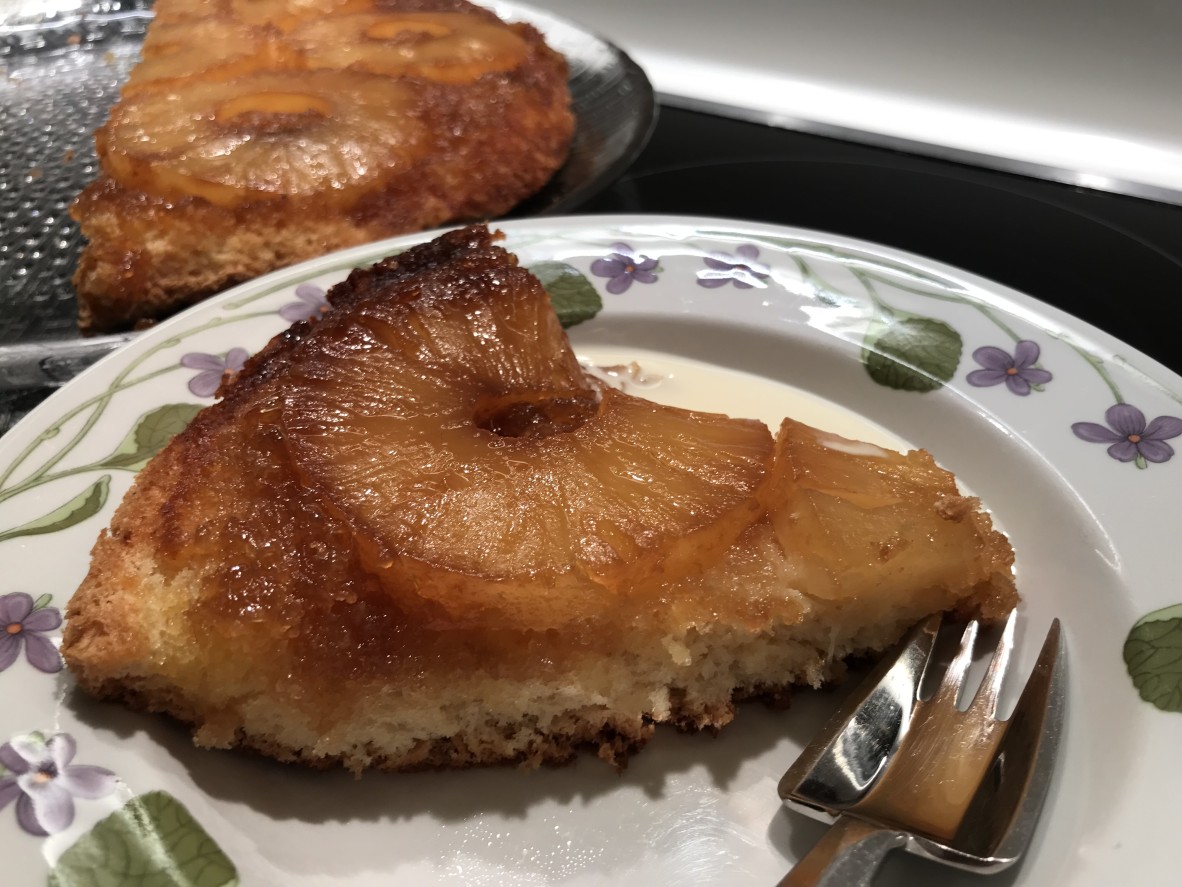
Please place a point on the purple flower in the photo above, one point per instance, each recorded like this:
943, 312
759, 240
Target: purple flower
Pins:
312, 303
206, 382
37, 774
22, 621
1130, 437
623, 266
1018, 372
741, 269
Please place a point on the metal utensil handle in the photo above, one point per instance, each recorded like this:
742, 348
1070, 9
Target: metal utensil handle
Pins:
50, 364
848, 855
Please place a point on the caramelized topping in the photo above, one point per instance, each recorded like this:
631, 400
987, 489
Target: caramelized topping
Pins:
288, 14
445, 47
859, 519
447, 422
263, 136
533, 414
206, 49
264, 113
272, 100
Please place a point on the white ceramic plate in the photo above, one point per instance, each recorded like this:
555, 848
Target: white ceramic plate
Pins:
751, 318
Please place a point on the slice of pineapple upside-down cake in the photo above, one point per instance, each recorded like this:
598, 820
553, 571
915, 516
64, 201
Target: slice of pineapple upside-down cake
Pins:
416, 533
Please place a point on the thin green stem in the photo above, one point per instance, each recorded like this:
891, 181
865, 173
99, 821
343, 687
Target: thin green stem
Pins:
820, 286
997, 321
30, 482
958, 299
882, 310
1147, 379
48, 434
99, 404
53, 430
1098, 365
914, 290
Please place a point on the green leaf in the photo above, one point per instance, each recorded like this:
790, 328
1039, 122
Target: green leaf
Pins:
149, 435
1153, 656
912, 353
85, 504
152, 841
574, 297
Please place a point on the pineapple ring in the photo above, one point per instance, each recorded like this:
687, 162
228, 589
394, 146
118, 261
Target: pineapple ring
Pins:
331, 135
288, 14
853, 517
208, 49
392, 418
446, 47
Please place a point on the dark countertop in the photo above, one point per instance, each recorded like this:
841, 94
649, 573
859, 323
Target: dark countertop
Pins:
1111, 260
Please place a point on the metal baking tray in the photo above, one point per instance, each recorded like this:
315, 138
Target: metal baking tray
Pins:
61, 70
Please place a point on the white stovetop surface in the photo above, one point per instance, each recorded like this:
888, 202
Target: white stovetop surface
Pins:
1084, 91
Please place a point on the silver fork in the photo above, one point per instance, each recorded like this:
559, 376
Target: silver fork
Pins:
893, 770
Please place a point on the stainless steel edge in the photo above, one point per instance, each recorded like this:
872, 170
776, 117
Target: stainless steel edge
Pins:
32, 365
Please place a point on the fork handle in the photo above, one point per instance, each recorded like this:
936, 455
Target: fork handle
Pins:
848, 855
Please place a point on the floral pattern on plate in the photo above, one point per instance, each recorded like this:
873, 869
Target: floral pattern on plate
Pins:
25, 623
905, 323
1019, 371
40, 776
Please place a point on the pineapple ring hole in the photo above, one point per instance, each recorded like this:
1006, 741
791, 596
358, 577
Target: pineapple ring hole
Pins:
394, 29
534, 414
272, 111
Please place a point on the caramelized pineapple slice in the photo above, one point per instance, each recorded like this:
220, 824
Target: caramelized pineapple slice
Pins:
454, 431
206, 49
867, 525
288, 14
264, 136
446, 47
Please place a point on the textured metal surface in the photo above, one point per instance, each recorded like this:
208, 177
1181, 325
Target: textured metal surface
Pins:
53, 94
59, 73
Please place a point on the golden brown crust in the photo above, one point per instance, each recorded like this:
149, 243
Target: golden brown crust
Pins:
492, 143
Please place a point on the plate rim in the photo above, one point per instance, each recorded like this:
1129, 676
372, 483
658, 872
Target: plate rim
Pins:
616, 224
